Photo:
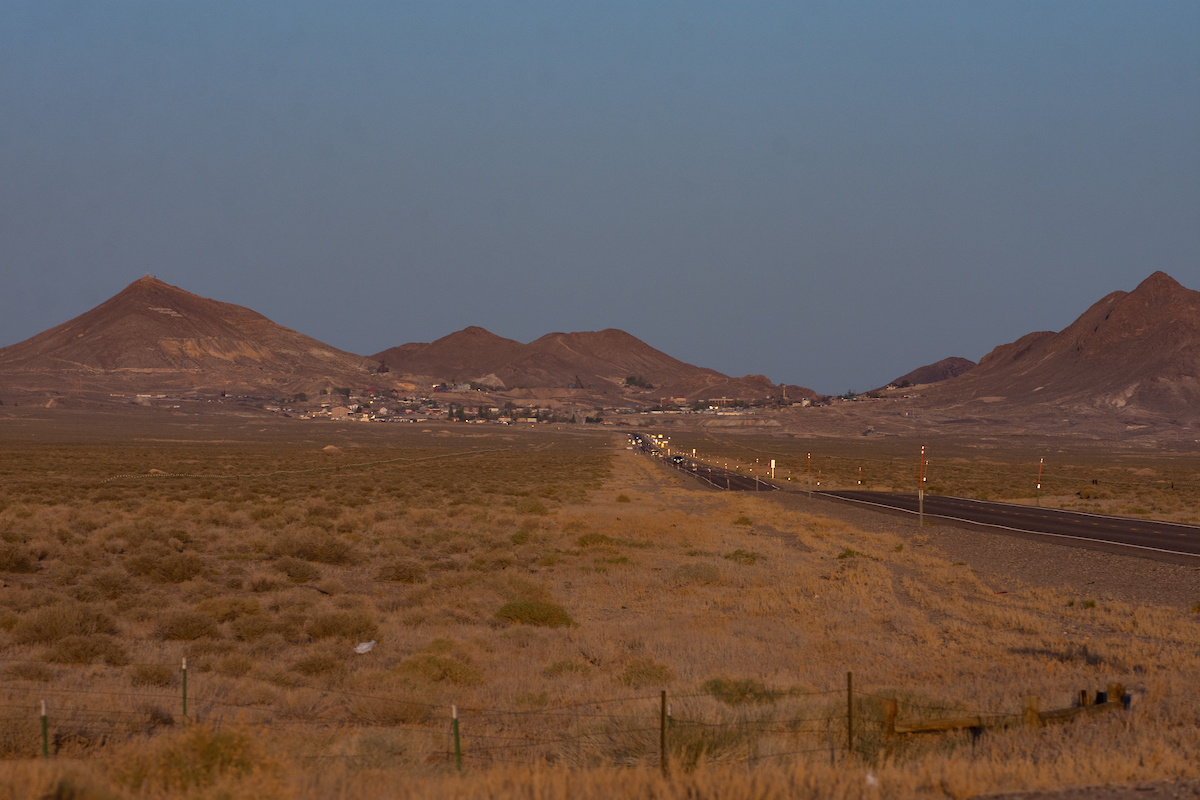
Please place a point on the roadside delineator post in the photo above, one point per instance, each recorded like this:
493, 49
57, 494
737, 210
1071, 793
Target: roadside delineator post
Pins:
45, 733
1038, 500
890, 707
183, 671
921, 490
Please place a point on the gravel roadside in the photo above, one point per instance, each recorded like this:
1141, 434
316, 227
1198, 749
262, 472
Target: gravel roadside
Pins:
1006, 559
1155, 790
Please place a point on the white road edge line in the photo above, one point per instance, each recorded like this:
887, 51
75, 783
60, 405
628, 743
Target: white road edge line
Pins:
1021, 530
1194, 528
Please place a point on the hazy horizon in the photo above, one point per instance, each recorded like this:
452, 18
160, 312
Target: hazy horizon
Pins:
828, 194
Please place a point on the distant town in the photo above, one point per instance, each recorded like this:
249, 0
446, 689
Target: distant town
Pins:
467, 404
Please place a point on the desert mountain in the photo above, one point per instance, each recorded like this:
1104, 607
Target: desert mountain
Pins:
464, 355
154, 337
1132, 352
597, 361
937, 372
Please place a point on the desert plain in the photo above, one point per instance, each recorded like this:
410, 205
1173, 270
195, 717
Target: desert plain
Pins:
569, 610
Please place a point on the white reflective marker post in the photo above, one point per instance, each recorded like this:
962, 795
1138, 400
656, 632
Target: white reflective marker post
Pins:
921, 490
1038, 497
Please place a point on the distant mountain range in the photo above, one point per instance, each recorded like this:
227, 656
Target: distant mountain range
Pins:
1131, 352
156, 338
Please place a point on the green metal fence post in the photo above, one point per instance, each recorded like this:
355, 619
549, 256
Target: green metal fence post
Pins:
185, 688
662, 733
457, 741
849, 714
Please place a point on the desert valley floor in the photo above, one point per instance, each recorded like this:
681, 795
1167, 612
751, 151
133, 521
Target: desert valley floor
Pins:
549, 585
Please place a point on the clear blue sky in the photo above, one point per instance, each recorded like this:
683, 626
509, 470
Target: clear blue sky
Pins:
829, 194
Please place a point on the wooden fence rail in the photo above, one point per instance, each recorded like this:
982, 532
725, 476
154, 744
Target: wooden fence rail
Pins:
1101, 703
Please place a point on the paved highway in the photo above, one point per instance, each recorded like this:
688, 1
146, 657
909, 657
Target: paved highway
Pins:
1147, 536
718, 477
1118, 534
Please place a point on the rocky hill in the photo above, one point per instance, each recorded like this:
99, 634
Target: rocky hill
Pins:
599, 362
154, 337
1132, 352
937, 372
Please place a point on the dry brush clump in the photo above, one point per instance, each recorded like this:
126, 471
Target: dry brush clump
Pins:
57, 621
533, 611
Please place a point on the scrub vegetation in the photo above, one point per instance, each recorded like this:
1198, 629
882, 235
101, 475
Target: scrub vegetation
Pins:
548, 586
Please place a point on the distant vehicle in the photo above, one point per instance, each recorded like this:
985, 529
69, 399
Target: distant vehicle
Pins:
677, 459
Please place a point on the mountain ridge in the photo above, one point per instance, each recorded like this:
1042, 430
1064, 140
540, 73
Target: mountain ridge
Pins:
1128, 350
152, 337
596, 361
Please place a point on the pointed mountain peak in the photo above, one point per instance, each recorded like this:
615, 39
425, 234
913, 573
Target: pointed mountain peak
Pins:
152, 285
148, 280
1159, 284
156, 336
475, 336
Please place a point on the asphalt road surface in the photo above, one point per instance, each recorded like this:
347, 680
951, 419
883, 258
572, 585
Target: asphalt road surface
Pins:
724, 478
1110, 533
717, 476
1152, 538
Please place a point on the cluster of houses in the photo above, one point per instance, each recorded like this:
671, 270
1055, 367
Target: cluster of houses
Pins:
374, 404
371, 405
423, 409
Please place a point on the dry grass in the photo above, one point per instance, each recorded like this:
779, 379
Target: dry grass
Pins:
520, 586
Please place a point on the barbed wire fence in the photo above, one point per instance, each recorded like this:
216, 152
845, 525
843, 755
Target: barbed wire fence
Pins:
739, 724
